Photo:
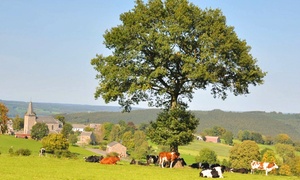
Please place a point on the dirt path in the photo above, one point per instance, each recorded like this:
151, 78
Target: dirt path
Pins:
97, 151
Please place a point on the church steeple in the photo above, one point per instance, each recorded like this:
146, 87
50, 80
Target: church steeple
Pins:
30, 110
29, 119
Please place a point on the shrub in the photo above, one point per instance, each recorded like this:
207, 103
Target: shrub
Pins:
23, 152
65, 154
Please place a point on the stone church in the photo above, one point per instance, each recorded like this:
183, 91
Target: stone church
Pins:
30, 119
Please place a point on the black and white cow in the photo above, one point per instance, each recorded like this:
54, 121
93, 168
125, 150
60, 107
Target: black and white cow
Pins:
215, 172
42, 152
200, 165
152, 159
93, 158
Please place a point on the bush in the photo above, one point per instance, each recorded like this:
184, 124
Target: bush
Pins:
65, 154
23, 152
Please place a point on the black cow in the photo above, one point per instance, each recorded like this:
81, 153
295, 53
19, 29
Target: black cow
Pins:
200, 165
214, 165
179, 160
93, 158
241, 170
152, 159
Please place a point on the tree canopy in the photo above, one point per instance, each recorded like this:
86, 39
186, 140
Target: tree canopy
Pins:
163, 51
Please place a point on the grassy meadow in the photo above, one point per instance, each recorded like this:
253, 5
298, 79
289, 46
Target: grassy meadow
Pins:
35, 167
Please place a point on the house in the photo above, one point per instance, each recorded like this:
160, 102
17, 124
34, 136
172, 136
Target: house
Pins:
30, 119
86, 138
214, 139
116, 147
78, 127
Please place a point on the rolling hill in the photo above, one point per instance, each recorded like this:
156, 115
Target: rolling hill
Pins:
266, 123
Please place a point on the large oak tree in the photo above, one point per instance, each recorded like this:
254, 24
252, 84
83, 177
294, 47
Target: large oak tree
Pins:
163, 51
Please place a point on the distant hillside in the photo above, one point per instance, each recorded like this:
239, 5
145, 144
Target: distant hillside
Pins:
47, 109
265, 123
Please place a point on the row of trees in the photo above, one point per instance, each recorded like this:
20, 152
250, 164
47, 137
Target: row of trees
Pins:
241, 155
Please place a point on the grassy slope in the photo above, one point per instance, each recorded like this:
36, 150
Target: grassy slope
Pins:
35, 167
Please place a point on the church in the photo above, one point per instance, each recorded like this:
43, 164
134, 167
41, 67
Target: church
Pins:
30, 119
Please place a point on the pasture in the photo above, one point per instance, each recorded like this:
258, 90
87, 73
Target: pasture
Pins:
48, 167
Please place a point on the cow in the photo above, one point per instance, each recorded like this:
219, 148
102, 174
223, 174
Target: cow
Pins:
110, 160
179, 162
214, 165
265, 166
167, 157
200, 165
152, 159
42, 152
240, 170
215, 172
93, 158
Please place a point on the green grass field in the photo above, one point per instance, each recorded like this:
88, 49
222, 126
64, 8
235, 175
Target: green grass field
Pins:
35, 167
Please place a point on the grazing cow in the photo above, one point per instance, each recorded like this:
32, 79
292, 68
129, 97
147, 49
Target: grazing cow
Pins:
93, 158
265, 166
179, 162
110, 160
195, 165
215, 172
240, 170
42, 152
167, 157
152, 159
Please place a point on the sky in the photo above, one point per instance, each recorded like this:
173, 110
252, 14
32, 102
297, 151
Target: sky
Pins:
46, 48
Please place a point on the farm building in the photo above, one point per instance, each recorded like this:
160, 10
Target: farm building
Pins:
214, 139
86, 138
116, 147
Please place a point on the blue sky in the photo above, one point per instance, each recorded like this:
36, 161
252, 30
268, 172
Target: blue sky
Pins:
46, 48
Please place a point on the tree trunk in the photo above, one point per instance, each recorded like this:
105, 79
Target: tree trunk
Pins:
174, 148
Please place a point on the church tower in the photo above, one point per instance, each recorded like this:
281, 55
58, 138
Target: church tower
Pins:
29, 119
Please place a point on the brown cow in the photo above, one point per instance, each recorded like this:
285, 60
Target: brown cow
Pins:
167, 157
263, 166
110, 160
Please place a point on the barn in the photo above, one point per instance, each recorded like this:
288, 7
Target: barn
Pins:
116, 147
214, 139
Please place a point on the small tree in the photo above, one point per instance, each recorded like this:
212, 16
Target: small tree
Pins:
207, 155
18, 123
228, 137
39, 130
66, 130
242, 154
73, 139
283, 139
286, 151
54, 142
3, 118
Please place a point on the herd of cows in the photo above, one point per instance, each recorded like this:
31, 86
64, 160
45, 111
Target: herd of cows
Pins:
173, 159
